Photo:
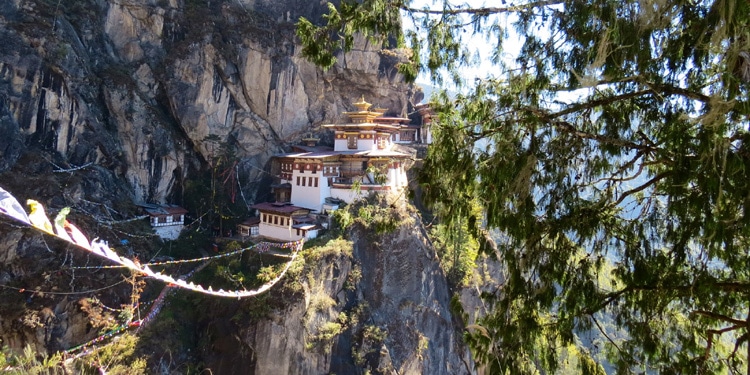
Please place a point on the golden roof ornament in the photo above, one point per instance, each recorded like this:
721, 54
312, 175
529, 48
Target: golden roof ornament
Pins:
310, 140
362, 105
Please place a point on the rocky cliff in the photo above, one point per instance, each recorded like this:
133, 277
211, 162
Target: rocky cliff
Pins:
136, 86
106, 103
376, 302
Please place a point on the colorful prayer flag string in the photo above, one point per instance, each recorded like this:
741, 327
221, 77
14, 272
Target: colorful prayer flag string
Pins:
10, 207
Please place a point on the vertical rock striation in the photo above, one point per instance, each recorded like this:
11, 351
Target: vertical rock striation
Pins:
138, 85
104, 103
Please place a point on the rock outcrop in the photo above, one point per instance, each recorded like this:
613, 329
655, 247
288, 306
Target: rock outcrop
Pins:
138, 85
377, 303
107, 103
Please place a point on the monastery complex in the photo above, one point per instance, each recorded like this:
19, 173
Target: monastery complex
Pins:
313, 180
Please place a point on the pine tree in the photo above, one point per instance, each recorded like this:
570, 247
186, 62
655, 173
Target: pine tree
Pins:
641, 178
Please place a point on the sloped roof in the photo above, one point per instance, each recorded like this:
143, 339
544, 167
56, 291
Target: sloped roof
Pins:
163, 209
251, 222
280, 208
305, 148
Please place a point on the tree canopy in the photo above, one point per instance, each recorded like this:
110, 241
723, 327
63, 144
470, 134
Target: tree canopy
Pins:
612, 158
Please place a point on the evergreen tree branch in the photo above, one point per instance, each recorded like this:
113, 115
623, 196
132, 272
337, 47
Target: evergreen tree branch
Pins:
571, 129
484, 11
593, 104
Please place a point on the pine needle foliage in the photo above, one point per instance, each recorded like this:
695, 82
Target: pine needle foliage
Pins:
613, 146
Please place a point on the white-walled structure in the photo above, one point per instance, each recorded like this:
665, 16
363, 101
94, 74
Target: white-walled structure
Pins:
363, 160
285, 222
167, 220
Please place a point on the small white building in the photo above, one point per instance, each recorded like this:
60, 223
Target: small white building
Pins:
167, 220
285, 222
425, 129
249, 227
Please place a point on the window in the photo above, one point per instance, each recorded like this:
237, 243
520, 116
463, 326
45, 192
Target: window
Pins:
309, 181
382, 142
275, 220
303, 180
297, 180
316, 182
407, 135
351, 142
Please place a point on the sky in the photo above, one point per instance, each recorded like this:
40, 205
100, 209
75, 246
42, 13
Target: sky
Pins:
476, 44
479, 45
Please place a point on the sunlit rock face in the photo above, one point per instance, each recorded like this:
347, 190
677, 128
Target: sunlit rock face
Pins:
137, 85
107, 103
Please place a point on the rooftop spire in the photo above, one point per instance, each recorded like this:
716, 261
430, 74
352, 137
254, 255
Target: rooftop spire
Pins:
362, 105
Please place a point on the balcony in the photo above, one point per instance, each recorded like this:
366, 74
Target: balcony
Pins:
351, 172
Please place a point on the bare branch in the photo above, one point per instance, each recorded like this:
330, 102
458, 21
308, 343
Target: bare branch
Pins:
642, 187
624, 167
721, 317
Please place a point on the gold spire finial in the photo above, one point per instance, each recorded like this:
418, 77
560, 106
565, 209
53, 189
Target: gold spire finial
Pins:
362, 105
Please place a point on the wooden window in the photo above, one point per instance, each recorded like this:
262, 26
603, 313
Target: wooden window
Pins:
351, 142
316, 182
303, 180
275, 220
297, 180
309, 181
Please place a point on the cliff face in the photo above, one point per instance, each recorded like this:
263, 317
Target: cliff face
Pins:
136, 86
377, 303
105, 103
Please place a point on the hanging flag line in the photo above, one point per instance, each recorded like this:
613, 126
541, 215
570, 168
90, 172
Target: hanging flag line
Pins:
159, 301
63, 229
86, 347
39, 291
181, 261
112, 309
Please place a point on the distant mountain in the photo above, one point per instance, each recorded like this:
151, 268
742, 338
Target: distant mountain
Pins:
429, 89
